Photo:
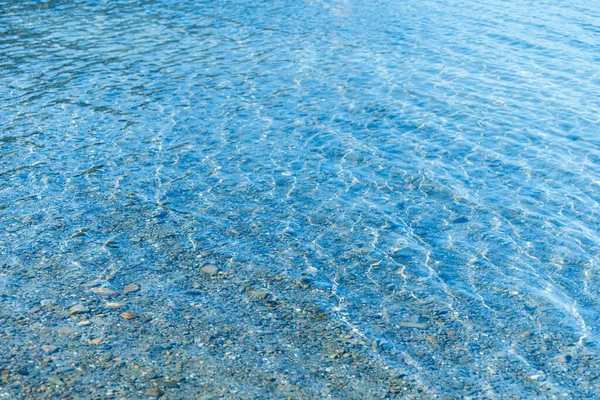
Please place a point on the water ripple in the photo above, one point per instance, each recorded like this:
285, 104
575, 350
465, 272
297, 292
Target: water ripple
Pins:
428, 171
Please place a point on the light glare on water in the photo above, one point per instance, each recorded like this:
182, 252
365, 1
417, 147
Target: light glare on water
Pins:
399, 198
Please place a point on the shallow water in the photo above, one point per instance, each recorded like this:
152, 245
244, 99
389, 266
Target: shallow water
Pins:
428, 173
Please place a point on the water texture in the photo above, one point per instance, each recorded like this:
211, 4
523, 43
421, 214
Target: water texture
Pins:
401, 197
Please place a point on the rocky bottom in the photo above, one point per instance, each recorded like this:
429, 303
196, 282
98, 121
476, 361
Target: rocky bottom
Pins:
218, 335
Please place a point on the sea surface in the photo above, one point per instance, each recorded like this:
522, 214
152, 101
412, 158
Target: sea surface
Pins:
426, 172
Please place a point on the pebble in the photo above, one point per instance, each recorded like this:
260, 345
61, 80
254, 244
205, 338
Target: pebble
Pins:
46, 303
102, 291
49, 349
153, 392
259, 294
64, 331
56, 381
93, 283
33, 310
170, 384
128, 315
563, 358
157, 348
63, 370
96, 341
415, 325
113, 305
84, 323
78, 309
131, 288
209, 269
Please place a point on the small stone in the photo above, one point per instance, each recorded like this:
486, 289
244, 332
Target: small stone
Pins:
78, 309
131, 288
128, 315
63, 370
49, 349
259, 294
563, 358
415, 325
157, 348
56, 381
170, 384
84, 323
46, 302
153, 392
94, 283
64, 331
96, 341
102, 291
209, 269
113, 305
33, 310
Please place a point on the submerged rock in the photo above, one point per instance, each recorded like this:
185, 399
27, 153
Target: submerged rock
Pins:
102, 291
49, 349
78, 309
411, 324
210, 270
153, 392
64, 331
128, 315
131, 288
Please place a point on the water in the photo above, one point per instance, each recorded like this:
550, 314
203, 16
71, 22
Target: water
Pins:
413, 162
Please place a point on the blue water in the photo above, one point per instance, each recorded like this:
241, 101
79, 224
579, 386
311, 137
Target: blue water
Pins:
427, 162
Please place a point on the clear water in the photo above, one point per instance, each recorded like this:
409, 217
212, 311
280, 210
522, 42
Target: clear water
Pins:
422, 162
